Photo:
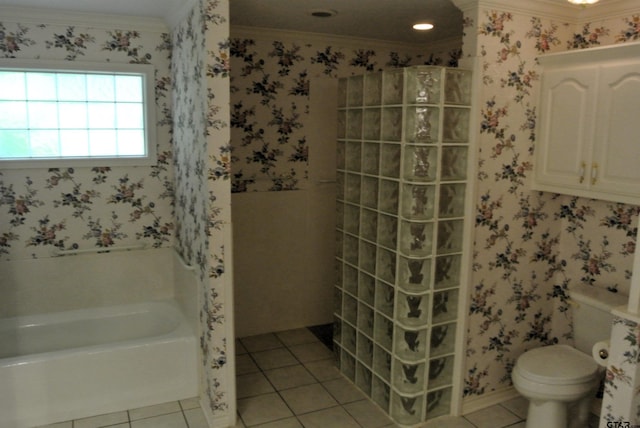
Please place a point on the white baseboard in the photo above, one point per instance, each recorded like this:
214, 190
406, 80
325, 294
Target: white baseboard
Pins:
472, 404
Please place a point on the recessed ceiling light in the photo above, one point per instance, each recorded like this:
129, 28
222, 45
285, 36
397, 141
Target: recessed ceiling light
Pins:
583, 2
323, 13
422, 26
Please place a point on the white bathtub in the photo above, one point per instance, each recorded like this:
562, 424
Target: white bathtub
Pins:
79, 363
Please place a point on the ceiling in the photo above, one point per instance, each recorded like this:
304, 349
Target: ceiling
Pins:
371, 19
389, 20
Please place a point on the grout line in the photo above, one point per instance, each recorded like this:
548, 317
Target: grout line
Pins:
316, 381
513, 413
186, 421
474, 425
276, 390
339, 404
321, 383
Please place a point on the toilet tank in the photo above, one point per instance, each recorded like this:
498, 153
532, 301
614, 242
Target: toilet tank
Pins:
592, 317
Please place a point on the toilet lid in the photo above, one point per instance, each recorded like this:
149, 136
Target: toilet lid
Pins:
557, 364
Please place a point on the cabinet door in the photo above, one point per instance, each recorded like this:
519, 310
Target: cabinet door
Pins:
616, 159
565, 133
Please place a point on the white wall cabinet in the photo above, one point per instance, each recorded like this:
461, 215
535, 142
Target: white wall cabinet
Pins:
589, 124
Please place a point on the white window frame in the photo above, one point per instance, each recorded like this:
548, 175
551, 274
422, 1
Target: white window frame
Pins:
146, 71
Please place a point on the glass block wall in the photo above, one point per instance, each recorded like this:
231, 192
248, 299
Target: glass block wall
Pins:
402, 182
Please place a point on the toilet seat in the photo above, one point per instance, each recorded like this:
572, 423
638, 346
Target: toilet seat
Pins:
556, 365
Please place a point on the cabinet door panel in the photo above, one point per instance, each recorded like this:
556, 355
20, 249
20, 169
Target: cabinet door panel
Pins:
566, 126
617, 145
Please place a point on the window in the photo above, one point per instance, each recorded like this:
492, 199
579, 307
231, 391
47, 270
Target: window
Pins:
57, 114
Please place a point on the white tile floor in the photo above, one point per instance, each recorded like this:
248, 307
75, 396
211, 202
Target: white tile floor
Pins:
289, 380
176, 414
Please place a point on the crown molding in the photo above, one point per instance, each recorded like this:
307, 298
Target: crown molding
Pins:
332, 39
560, 10
64, 18
597, 54
610, 10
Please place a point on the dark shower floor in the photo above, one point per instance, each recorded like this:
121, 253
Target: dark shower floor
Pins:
324, 333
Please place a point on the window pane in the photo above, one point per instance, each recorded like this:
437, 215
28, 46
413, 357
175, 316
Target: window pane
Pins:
100, 88
72, 87
66, 113
74, 143
13, 85
14, 144
102, 115
102, 143
13, 115
44, 143
129, 116
131, 143
73, 115
41, 86
43, 115
129, 88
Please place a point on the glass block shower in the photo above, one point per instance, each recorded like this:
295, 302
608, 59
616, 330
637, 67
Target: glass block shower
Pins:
403, 143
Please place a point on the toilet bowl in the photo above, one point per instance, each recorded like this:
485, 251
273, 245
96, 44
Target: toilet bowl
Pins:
559, 382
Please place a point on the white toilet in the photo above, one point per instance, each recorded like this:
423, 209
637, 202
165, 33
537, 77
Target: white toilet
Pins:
560, 381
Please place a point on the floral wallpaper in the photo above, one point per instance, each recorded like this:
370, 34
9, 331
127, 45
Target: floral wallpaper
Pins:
622, 376
531, 247
42, 210
184, 198
271, 81
201, 151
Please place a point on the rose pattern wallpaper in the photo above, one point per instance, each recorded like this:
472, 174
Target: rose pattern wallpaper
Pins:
271, 80
76, 208
183, 200
200, 71
530, 247
621, 401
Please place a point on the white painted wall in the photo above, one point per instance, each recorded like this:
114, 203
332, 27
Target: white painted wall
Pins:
284, 242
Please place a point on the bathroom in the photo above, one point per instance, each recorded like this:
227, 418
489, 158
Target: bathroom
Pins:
149, 217
562, 238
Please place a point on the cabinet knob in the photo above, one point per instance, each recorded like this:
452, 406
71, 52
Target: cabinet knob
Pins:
594, 173
583, 166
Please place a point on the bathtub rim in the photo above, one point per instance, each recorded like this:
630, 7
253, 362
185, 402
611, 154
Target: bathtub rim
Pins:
181, 329
43, 393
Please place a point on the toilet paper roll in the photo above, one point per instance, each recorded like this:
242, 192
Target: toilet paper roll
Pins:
600, 352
